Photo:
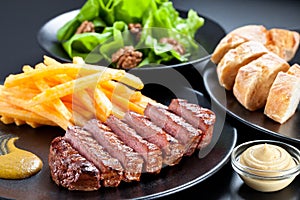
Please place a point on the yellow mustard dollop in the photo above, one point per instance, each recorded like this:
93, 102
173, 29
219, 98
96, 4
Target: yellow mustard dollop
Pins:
18, 163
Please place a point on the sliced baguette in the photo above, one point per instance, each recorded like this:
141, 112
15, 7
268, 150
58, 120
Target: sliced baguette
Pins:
283, 42
235, 58
284, 95
238, 36
254, 80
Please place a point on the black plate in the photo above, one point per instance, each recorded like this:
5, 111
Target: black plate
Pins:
190, 171
290, 130
208, 36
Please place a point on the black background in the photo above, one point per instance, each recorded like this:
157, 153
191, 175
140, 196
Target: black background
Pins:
21, 20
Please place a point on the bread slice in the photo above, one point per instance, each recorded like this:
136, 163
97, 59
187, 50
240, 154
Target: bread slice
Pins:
238, 36
284, 95
235, 58
254, 80
283, 42
294, 70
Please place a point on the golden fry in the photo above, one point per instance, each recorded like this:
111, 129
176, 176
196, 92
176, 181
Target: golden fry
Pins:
122, 90
131, 80
102, 102
64, 94
11, 112
7, 120
78, 60
50, 61
57, 103
123, 103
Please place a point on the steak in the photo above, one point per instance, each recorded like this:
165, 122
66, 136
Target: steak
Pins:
172, 150
110, 168
132, 162
176, 126
199, 117
150, 152
69, 169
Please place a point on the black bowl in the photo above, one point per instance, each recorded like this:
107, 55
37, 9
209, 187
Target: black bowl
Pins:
207, 38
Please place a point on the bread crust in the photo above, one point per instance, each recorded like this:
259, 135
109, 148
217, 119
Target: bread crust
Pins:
235, 58
283, 42
238, 36
254, 80
284, 95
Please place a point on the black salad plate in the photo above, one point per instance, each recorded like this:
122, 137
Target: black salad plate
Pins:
207, 37
190, 171
290, 130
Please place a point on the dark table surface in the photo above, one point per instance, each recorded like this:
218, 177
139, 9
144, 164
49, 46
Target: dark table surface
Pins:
21, 20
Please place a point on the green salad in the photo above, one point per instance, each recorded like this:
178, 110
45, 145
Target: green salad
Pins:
131, 33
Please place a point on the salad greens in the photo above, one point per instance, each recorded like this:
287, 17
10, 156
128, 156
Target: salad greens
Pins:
111, 18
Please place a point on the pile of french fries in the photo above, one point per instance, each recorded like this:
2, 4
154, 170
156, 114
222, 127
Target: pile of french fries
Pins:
64, 94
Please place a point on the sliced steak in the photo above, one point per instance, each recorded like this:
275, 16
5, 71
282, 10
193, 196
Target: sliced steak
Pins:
111, 169
132, 162
199, 117
69, 169
172, 150
150, 152
176, 126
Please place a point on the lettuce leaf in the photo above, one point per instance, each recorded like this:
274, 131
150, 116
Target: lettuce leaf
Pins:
158, 18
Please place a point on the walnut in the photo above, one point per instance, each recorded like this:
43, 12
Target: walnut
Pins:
135, 29
127, 57
85, 27
175, 44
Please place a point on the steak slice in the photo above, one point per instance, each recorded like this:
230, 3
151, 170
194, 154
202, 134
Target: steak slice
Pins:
176, 126
150, 152
172, 150
199, 117
110, 168
69, 169
132, 162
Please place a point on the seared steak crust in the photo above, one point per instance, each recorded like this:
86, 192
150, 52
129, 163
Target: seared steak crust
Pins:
69, 169
176, 126
150, 152
111, 169
131, 161
103, 154
199, 117
172, 150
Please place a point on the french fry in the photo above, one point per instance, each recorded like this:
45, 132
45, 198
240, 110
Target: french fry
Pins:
123, 102
40, 109
103, 103
19, 79
145, 100
131, 80
33, 124
26, 93
10, 112
65, 94
50, 61
57, 103
19, 122
64, 89
82, 97
122, 90
72, 86
118, 112
7, 120
78, 60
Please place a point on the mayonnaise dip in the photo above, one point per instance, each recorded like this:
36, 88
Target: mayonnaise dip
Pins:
267, 161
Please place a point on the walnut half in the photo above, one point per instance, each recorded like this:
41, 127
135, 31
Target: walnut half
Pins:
127, 57
175, 44
85, 27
